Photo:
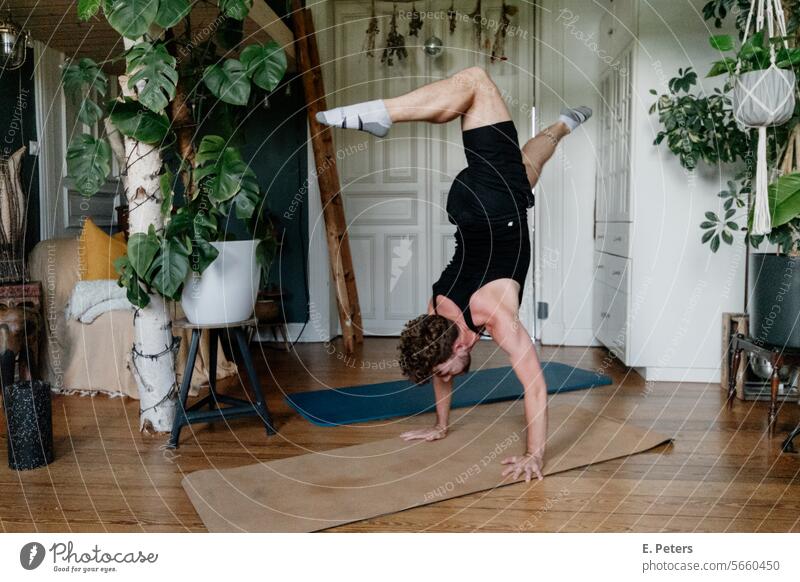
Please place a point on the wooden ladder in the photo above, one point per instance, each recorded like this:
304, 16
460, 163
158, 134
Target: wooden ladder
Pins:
341, 260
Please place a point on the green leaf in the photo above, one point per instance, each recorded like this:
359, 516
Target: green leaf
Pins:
171, 12
237, 9
711, 216
180, 224
204, 225
228, 82
221, 172
203, 254
784, 199
715, 244
722, 42
89, 112
88, 163
266, 64
137, 295
166, 181
132, 18
88, 8
170, 268
153, 65
727, 237
249, 196
708, 224
135, 121
142, 249
725, 66
707, 236
82, 77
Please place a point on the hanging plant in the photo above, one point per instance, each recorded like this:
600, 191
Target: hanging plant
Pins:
395, 43
499, 46
415, 24
477, 27
372, 34
451, 17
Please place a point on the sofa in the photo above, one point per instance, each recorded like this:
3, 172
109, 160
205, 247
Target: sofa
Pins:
93, 358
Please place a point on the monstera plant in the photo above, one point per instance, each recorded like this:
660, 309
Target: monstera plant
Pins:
173, 131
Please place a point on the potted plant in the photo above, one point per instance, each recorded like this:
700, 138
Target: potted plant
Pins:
701, 128
173, 131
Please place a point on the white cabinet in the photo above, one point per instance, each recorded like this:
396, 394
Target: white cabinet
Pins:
613, 209
658, 293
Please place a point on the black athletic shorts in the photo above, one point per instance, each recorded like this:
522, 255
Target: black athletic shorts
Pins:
494, 187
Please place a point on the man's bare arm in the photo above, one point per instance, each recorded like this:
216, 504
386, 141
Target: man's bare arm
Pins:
513, 338
443, 392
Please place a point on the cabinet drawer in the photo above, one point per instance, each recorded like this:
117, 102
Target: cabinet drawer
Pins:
612, 270
610, 318
613, 238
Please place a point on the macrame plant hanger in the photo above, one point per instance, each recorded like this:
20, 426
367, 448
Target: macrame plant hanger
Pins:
762, 99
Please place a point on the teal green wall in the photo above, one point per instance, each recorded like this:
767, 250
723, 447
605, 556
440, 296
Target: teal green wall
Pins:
275, 146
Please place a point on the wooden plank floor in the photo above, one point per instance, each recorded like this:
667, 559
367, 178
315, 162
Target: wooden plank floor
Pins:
721, 474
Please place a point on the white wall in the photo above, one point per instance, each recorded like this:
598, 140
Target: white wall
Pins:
569, 66
679, 288
684, 285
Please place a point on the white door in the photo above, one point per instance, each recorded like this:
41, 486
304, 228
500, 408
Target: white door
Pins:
395, 189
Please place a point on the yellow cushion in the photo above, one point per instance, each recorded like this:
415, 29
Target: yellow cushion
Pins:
98, 251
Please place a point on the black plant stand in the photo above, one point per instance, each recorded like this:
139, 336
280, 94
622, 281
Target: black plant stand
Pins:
777, 355
238, 407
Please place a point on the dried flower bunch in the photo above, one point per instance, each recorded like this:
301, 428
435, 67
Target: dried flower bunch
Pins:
372, 34
415, 24
477, 26
395, 43
499, 45
452, 17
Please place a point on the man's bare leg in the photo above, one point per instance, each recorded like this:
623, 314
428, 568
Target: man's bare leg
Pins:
470, 94
538, 150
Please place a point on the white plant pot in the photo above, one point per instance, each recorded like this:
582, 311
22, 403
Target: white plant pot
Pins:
226, 291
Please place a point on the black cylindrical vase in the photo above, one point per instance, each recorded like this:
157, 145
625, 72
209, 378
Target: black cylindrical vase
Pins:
29, 418
775, 300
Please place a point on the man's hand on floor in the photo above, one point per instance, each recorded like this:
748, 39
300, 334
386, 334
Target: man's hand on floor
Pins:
528, 465
425, 434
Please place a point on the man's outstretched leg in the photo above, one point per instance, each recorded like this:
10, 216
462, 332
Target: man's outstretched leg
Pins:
470, 94
538, 150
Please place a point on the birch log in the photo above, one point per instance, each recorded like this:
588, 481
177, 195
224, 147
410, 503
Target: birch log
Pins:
153, 353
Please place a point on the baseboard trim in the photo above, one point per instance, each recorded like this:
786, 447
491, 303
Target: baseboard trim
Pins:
660, 374
311, 334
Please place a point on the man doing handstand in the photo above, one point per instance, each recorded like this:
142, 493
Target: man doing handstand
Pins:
480, 290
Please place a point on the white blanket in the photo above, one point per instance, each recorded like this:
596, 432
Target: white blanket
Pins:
90, 299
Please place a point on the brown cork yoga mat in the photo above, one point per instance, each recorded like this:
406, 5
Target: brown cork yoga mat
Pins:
321, 490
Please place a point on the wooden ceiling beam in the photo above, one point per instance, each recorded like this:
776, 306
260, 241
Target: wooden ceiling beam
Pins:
56, 24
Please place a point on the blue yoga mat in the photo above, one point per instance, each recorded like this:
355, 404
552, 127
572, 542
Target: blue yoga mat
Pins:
333, 407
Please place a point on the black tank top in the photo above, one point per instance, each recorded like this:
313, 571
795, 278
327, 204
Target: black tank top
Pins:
484, 253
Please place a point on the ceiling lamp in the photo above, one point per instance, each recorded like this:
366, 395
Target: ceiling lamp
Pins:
13, 43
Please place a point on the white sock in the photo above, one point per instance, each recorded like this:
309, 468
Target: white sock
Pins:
574, 116
369, 116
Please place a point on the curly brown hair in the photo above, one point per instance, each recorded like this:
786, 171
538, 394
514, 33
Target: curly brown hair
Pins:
426, 341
